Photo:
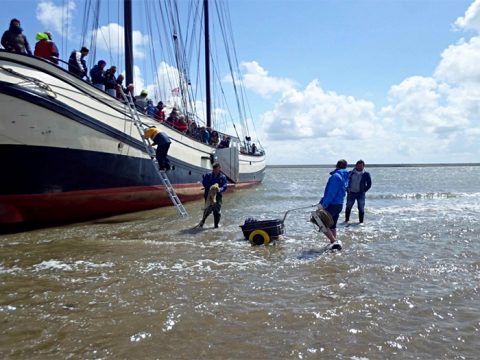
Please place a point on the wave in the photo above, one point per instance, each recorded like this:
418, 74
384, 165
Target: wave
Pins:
432, 210
7, 308
426, 195
63, 266
6, 270
200, 266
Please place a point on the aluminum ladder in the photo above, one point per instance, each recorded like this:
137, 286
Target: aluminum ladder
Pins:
148, 147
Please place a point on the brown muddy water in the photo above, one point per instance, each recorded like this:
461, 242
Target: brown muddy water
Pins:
145, 286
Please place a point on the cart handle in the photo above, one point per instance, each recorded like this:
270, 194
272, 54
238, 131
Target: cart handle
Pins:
300, 208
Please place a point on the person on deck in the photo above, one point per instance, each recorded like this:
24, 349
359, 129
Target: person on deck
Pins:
14, 40
172, 117
77, 64
141, 101
359, 182
163, 142
214, 138
119, 87
54, 57
159, 113
97, 75
111, 81
180, 124
225, 143
214, 178
130, 92
193, 129
150, 108
204, 135
334, 194
45, 47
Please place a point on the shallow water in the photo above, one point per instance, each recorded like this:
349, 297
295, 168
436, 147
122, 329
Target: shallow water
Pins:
145, 285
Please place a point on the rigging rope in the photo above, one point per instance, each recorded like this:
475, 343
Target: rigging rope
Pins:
41, 84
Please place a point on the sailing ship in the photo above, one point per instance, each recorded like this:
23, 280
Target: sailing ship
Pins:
71, 152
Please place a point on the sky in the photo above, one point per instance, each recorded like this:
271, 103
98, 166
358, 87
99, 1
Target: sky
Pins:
386, 81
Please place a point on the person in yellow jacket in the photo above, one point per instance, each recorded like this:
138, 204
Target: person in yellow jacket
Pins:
163, 142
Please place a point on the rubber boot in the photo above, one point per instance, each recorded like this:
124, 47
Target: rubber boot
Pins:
347, 215
206, 214
361, 216
216, 219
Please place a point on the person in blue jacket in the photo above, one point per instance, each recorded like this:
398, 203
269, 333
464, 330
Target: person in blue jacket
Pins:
335, 190
215, 177
359, 182
97, 75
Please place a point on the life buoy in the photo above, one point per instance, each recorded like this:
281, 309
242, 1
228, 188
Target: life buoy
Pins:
259, 237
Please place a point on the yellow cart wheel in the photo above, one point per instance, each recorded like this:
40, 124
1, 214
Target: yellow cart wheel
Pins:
259, 237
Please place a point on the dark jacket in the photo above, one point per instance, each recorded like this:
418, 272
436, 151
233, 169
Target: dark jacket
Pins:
210, 179
16, 42
77, 64
161, 139
365, 182
97, 75
110, 81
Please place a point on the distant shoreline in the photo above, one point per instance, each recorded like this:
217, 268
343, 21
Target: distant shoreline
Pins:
377, 165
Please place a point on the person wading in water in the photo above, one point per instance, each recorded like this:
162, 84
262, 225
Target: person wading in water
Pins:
210, 181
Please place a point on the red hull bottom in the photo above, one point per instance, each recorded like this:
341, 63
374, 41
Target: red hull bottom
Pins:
83, 205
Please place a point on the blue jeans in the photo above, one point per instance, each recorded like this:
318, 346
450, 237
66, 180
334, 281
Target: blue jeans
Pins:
360, 198
334, 210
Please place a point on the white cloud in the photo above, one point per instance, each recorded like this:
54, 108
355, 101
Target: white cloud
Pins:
111, 38
167, 80
416, 103
56, 18
471, 19
314, 113
161, 89
459, 62
257, 79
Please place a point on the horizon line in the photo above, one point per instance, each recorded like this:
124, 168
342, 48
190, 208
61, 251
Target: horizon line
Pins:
375, 165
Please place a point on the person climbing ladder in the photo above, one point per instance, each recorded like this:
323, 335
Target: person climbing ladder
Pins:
163, 142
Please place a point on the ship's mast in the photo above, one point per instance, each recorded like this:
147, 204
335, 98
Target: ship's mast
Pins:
207, 64
127, 18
